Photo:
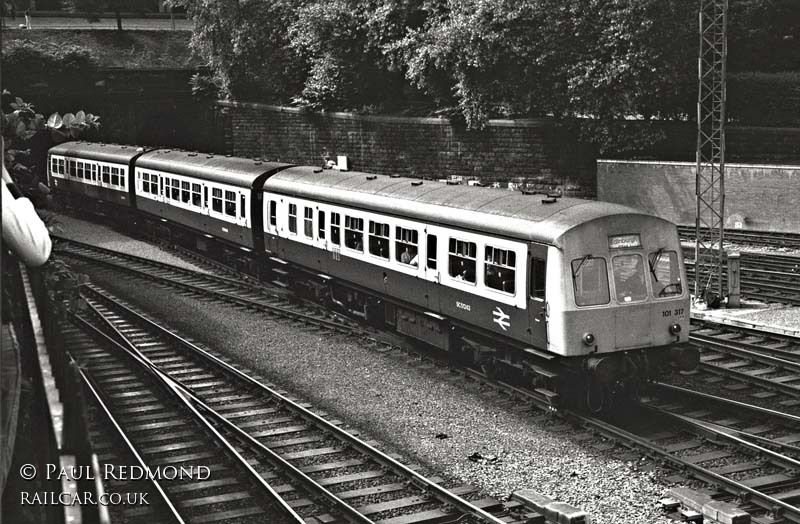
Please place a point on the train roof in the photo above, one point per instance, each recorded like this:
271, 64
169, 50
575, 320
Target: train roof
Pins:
113, 153
235, 171
504, 213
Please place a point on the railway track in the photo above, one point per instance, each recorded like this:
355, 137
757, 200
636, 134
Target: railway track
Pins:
299, 465
768, 278
756, 238
762, 496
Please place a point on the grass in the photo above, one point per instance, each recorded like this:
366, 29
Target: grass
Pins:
112, 48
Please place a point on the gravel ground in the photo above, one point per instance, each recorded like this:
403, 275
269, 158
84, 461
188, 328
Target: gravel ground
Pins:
775, 315
406, 407
105, 237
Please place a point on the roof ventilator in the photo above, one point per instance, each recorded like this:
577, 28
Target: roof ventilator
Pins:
417, 183
372, 177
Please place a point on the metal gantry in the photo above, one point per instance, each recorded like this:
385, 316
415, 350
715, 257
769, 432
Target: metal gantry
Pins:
710, 181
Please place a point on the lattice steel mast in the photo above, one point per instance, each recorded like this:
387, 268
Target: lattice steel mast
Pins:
710, 181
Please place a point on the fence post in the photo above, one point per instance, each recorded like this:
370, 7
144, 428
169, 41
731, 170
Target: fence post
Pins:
733, 280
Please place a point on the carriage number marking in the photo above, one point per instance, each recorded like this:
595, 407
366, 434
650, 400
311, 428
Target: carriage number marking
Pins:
676, 312
465, 307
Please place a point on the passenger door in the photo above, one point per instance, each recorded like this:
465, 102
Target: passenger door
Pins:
432, 264
537, 295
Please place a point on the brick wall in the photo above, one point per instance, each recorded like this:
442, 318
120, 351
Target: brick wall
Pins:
761, 197
530, 150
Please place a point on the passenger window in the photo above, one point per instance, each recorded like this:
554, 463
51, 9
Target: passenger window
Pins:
665, 274
462, 260
197, 196
590, 280
379, 239
115, 178
431, 251
230, 203
500, 269
321, 225
145, 178
176, 190
273, 212
73, 172
106, 175
354, 233
405, 245
308, 222
335, 229
293, 218
186, 195
243, 208
629, 278
80, 169
216, 200
538, 270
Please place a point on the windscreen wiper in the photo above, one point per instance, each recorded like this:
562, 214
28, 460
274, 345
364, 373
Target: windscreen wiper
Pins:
654, 262
578, 269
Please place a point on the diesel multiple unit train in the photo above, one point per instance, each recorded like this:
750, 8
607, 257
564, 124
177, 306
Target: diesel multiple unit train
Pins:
579, 299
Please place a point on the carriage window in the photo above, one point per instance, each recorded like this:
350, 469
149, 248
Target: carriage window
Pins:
538, 270
230, 203
405, 245
665, 274
590, 279
186, 193
335, 230
72, 169
176, 190
629, 278
154, 184
94, 172
80, 170
308, 222
121, 182
106, 173
379, 239
293, 218
354, 233
462, 260
197, 196
243, 209
273, 212
53, 165
145, 183
431, 250
500, 269
216, 199
115, 177
321, 225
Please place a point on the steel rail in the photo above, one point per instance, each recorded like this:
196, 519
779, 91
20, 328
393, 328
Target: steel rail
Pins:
188, 393
97, 394
733, 487
441, 494
735, 404
734, 348
226, 296
169, 384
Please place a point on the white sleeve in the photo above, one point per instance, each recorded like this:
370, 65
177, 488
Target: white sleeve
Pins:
23, 231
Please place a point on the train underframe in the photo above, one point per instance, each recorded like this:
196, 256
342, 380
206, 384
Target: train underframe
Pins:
595, 383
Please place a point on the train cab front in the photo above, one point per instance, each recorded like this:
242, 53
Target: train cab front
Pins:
626, 306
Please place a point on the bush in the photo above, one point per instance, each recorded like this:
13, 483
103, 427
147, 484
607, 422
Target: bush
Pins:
764, 98
58, 68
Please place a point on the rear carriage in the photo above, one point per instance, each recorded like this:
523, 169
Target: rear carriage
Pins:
91, 176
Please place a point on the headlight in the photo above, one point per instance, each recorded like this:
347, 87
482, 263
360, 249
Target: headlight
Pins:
588, 339
675, 329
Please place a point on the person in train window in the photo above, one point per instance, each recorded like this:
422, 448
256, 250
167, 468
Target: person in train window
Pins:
359, 245
414, 261
405, 256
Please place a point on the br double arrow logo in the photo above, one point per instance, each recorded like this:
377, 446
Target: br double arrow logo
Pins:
501, 319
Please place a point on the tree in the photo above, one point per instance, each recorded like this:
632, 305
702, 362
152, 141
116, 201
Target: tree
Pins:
246, 46
93, 8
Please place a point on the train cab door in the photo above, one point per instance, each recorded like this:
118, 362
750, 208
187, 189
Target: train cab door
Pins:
537, 297
432, 264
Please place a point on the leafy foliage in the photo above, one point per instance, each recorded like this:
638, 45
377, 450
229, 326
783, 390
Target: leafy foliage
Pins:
601, 60
61, 68
23, 127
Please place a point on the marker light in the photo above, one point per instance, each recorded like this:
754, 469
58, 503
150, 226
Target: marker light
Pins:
588, 339
675, 329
